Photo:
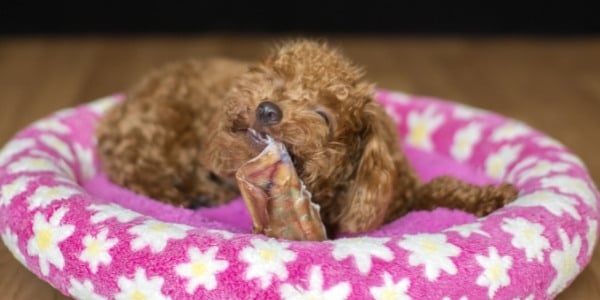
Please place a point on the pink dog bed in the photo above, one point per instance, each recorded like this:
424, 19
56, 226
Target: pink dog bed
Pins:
65, 222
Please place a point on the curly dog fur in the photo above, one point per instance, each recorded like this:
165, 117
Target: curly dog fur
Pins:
182, 133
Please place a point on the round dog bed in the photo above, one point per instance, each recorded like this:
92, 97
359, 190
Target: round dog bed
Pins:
65, 222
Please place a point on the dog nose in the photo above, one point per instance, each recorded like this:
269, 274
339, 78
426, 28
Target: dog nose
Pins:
268, 113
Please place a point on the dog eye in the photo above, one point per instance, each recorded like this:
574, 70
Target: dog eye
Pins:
324, 116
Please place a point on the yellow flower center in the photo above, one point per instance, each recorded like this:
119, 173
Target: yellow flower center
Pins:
544, 196
9, 189
199, 268
52, 192
541, 167
579, 187
159, 227
94, 248
429, 247
496, 168
419, 133
44, 239
462, 143
138, 295
495, 272
567, 266
58, 145
266, 254
389, 294
356, 241
529, 234
39, 163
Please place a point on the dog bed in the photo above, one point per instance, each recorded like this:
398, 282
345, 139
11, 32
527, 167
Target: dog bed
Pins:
63, 220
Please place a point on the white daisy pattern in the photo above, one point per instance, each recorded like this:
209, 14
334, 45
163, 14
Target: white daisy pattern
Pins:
467, 112
108, 211
223, 233
520, 166
431, 250
46, 195
72, 239
527, 236
201, 270
497, 163
495, 271
362, 249
421, 128
390, 289
57, 145
60, 164
564, 262
541, 169
15, 147
399, 98
571, 158
10, 190
391, 112
156, 234
96, 249
464, 140
570, 185
140, 287
554, 203
266, 259
85, 156
83, 290
315, 289
101, 105
510, 131
591, 235
548, 142
51, 125
34, 164
11, 240
466, 230
47, 235
64, 113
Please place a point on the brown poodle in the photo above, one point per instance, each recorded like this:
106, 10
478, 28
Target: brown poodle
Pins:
183, 132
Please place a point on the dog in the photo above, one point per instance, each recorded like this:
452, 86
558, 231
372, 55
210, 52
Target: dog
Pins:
182, 133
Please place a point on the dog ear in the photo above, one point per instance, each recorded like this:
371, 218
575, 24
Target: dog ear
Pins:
371, 191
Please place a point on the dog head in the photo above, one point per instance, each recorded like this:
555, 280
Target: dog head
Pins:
311, 98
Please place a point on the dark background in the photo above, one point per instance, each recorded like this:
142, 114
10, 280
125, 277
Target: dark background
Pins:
395, 17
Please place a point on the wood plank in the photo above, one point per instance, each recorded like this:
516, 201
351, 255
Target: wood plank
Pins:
551, 84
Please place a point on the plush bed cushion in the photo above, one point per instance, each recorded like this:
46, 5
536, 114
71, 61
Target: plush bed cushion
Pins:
69, 225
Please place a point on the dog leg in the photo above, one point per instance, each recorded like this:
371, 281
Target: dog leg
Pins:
450, 192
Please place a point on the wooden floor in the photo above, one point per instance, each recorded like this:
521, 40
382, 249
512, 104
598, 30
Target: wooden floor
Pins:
554, 85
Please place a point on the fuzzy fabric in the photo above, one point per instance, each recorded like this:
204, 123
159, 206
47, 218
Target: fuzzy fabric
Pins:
65, 222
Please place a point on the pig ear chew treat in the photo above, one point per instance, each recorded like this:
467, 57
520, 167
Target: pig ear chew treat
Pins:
277, 200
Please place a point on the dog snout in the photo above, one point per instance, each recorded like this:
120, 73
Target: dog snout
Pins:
268, 113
